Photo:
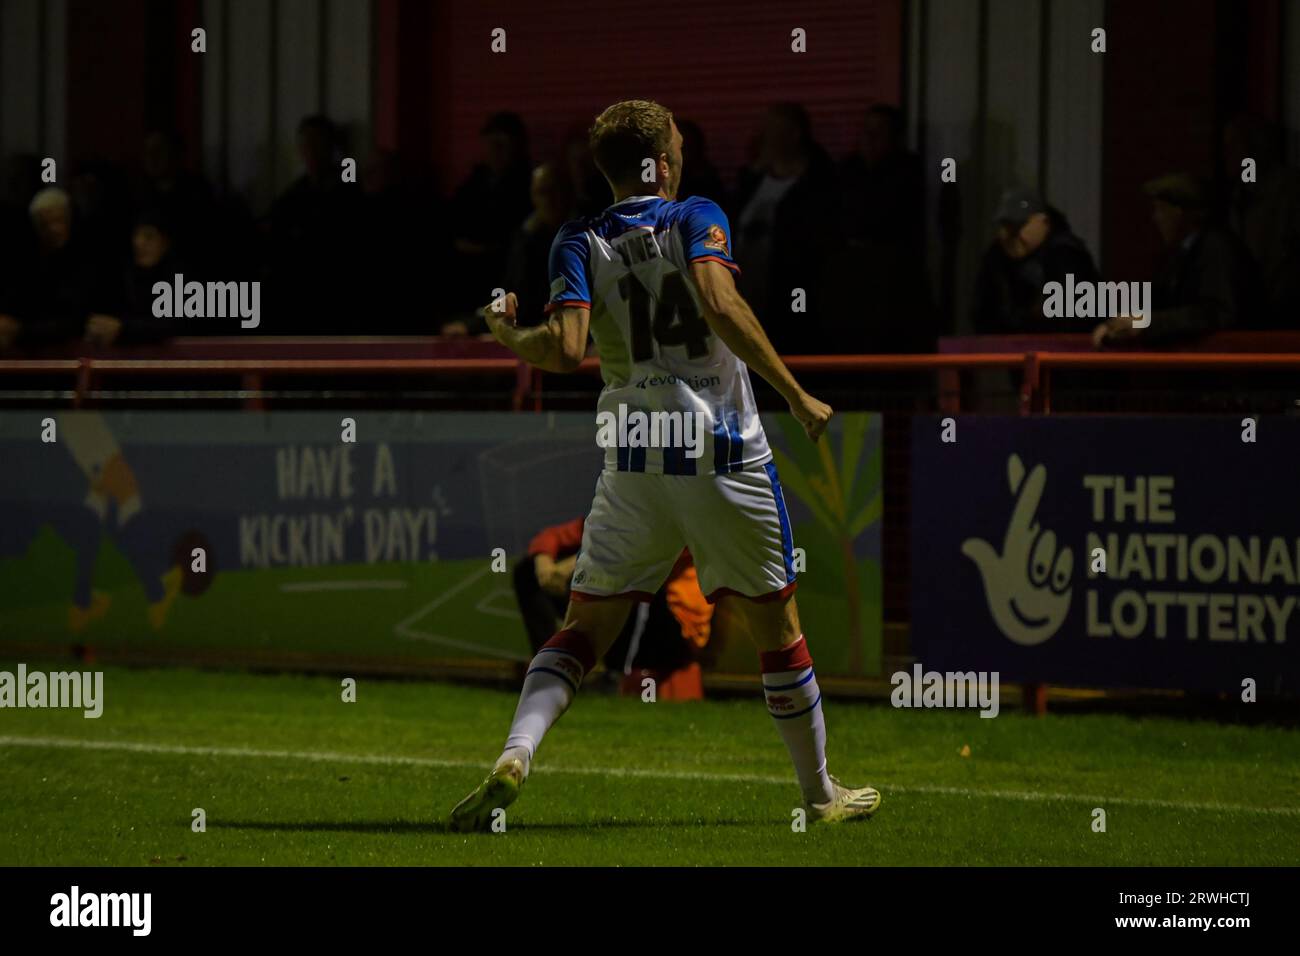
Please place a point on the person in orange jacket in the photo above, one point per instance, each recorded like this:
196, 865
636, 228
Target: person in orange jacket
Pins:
660, 639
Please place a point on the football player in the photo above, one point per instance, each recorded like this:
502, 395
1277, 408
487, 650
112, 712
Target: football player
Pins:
652, 279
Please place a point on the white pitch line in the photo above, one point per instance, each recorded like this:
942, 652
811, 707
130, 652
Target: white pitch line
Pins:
392, 760
405, 629
441, 599
377, 585
485, 605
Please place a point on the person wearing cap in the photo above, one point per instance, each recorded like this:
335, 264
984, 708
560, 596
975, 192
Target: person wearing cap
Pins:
1206, 284
1034, 246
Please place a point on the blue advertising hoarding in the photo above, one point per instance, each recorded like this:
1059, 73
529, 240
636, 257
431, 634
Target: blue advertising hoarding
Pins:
1134, 552
382, 536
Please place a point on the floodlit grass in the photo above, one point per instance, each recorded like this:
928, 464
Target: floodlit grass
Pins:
288, 774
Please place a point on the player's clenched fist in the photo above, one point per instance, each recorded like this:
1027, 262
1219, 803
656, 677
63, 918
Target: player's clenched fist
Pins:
813, 415
501, 313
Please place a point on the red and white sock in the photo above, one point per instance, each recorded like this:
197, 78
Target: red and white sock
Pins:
550, 685
795, 702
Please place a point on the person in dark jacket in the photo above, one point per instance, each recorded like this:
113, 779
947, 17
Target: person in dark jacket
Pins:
787, 226
699, 176
313, 288
58, 298
487, 209
130, 319
1208, 283
1264, 214
1034, 246
883, 223
528, 264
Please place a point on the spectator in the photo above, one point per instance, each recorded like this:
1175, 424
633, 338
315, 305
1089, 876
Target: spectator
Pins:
883, 186
56, 300
660, 637
315, 229
788, 223
101, 204
699, 177
487, 209
394, 267
882, 219
527, 269
591, 195
1265, 216
1034, 246
176, 195
1206, 285
153, 259
21, 181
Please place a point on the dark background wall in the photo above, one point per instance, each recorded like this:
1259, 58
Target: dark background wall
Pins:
1177, 71
719, 64
1007, 87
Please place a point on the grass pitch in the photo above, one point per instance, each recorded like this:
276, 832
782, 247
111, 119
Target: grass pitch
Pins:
288, 774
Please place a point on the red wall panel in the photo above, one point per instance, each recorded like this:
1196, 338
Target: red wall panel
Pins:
1160, 113
719, 65
106, 80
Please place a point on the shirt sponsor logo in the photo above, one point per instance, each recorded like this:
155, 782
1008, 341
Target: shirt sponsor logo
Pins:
693, 383
717, 239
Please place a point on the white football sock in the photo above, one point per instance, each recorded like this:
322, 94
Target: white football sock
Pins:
550, 685
795, 702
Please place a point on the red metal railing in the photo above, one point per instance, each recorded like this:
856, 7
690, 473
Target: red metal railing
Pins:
89, 372
254, 361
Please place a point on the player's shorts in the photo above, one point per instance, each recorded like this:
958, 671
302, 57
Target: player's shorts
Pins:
735, 526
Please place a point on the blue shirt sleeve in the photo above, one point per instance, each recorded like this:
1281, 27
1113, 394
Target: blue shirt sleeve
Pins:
706, 234
568, 268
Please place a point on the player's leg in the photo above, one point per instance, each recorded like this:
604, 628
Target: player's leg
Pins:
745, 562
558, 669
625, 556
789, 685
551, 683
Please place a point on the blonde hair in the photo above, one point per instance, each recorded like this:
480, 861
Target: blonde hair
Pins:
628, 133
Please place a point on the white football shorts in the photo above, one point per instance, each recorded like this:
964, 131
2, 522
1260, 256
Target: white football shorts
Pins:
735, 526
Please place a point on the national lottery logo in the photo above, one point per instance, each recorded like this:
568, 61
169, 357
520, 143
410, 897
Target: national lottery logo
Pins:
1145, 576
1027, 583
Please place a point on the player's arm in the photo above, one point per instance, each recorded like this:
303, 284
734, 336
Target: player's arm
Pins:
557, 345
733, 321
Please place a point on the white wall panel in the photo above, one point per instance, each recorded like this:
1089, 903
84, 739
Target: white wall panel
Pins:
20, 75
248, 123
1074, 116
348, 51
951, 115
55, 43
297, 80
